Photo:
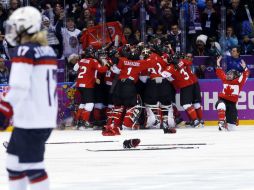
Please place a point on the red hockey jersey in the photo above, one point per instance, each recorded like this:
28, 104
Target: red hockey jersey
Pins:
231, 88
179, 77
130, 69
87, 72
155, 65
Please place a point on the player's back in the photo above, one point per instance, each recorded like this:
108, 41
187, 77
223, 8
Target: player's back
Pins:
86, 73
33, 82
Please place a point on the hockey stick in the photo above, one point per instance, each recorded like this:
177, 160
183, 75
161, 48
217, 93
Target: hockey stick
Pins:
175, 144
5, 143
141, 149
81, 142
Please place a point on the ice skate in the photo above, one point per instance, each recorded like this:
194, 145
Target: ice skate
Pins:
168, 129
196, 123
222, 126
84, 125
202, 123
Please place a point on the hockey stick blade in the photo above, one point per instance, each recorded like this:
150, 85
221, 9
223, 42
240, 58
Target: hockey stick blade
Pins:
175, 144
81, 142
141, 149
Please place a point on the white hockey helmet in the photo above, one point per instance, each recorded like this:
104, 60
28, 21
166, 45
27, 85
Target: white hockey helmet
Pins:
23, 20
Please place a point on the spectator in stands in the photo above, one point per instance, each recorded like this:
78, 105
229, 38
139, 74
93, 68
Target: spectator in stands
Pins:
149, 33
14, 4
200, 49
70, 39
214, 50
74, 10
167, 18
200, 46
194, 21
174, 37
51, 35
247, 29
125, 13
247, 46
235, 16
83, 19
150, 7
3, 17
90, 23
137, 35
160, 33
56, 16
231, 39
127, 32
4, 72
209, 19
234, 60
165, 3
3, 48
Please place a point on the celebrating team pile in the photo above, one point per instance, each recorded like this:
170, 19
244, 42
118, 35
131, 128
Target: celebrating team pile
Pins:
124, 76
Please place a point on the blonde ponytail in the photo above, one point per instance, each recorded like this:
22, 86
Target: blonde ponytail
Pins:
40, 37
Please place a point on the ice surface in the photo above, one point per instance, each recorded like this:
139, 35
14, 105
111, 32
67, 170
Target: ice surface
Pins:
225, 163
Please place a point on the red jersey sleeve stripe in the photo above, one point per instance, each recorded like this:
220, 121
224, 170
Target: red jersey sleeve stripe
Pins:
46, 62
22, 60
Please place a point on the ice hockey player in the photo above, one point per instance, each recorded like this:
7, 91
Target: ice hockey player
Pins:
32, 100
85, 83
158, 93
178, 74
233, 82
197, 103
125, 93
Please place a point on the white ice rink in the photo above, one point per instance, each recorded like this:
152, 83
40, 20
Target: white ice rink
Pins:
226, 162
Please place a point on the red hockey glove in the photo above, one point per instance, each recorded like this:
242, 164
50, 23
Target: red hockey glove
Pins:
6, 113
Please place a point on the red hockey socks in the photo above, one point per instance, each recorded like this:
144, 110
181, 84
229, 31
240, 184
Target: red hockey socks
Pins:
78, 114
192, 113
85, 115
199, 113
97, 114
221, 115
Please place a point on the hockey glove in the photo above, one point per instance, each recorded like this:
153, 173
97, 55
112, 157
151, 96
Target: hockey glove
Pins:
131, 143
6, 113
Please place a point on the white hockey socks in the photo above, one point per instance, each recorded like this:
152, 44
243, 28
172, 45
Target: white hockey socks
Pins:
42, 185
18, 184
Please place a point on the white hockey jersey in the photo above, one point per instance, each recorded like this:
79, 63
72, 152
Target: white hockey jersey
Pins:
33, 83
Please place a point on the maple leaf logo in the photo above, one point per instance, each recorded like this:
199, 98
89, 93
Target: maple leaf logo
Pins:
228, 90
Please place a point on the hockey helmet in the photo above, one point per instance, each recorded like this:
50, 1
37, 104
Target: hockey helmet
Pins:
24, 20
101, 54
232, 74
112, 52
90, 52
146, 52
134, 53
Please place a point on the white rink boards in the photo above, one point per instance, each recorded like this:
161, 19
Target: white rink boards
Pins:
196, 159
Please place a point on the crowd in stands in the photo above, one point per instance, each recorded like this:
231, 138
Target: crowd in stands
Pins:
66, 20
